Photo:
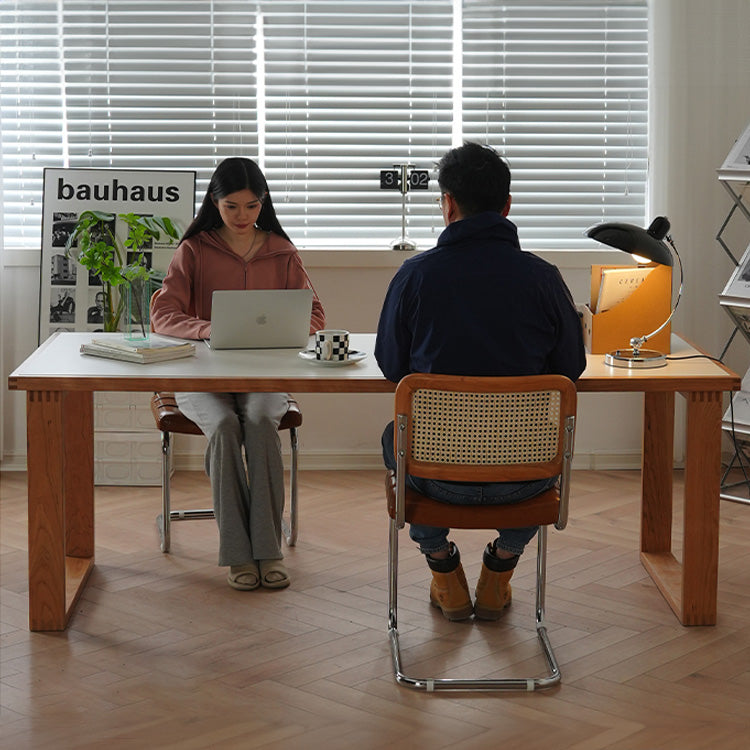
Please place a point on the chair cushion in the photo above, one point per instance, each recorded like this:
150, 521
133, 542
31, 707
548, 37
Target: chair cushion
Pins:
293, 416
541, 510
169, 418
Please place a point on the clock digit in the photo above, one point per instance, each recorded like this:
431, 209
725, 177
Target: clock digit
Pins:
389, 179
419, 179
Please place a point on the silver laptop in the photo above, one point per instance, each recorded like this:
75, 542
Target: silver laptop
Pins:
260, 319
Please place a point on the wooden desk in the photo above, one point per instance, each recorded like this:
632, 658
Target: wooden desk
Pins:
60, 384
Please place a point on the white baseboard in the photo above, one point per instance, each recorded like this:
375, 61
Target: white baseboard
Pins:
12, 462
373, 460
308, 461
606, 461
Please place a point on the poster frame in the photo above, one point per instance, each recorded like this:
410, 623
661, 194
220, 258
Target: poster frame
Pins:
68, 293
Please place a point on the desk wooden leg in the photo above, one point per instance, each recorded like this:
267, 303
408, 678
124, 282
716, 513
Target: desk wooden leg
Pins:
656, 475
656, 498
689, 588
79, 474
700, 557
61, 502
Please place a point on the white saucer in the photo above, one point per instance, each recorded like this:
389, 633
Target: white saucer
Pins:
354, 356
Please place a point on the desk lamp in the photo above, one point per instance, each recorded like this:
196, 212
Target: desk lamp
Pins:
644, 245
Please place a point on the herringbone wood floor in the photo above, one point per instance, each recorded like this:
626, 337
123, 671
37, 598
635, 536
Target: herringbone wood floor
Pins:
161, 653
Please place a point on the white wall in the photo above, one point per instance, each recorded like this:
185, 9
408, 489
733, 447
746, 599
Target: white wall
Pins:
701, 103
340, 431
352, 424
700, 80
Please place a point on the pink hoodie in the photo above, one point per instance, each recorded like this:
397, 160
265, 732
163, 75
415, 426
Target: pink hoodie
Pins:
205, 262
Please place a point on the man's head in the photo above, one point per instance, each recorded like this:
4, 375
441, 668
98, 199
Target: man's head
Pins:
473, 178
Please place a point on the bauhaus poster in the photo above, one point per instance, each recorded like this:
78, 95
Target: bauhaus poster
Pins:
70, 298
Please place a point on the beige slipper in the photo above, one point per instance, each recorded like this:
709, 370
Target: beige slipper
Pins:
273, 574
244, 577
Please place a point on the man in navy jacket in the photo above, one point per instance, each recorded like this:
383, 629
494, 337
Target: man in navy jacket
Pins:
476, 304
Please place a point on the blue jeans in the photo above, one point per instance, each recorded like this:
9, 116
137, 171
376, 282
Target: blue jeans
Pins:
432, 539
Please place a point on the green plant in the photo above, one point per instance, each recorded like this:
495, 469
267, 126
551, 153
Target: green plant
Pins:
95, 245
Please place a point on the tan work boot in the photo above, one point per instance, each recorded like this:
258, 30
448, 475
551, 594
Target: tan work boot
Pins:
449, 590
493, 592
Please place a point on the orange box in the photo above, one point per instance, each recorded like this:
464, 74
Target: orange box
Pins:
640, 313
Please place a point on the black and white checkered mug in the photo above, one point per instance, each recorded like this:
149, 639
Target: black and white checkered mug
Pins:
332, 345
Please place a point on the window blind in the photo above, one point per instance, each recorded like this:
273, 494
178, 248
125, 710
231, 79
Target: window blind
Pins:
144, 84
348, 94
562, 90
31, 115
325, 94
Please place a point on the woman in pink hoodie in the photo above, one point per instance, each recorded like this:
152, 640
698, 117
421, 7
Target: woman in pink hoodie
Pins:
236, 242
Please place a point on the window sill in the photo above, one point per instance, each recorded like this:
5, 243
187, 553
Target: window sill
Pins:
387, 258
373, 258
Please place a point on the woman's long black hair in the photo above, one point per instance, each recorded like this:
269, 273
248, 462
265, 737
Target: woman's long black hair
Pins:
231, 175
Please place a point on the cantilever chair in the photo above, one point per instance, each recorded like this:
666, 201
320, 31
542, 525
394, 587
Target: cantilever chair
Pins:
481, 429
170, 420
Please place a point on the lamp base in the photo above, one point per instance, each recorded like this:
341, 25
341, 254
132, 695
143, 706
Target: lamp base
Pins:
404, 244
635, 359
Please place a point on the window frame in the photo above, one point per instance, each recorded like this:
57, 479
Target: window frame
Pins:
63, 26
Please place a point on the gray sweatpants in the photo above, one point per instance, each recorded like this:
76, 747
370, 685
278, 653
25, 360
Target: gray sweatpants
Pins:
248, 501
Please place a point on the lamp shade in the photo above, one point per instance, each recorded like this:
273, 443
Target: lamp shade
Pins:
636, 240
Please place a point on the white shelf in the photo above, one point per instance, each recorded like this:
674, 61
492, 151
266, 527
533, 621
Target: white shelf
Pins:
736, 166
127, 445
735, 299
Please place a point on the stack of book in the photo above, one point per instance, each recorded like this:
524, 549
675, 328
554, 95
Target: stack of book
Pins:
156, 349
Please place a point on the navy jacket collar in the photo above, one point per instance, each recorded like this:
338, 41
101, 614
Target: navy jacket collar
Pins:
488, 224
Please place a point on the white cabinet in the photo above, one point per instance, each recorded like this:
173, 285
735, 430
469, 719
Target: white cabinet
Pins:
127, 445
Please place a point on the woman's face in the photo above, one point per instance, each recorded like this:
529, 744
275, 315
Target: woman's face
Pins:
239, 211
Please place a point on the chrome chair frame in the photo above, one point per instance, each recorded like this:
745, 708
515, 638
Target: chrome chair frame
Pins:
164, 401
406, 505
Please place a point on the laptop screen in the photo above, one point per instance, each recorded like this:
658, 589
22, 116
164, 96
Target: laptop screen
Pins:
260, 318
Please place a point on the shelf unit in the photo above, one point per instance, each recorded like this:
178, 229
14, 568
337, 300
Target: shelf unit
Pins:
734, 176
127, 445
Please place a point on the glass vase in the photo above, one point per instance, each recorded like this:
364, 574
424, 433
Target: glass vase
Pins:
137, 322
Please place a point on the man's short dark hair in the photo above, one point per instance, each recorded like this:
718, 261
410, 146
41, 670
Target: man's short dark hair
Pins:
476, 176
